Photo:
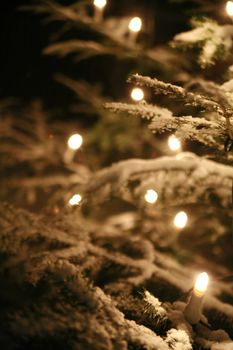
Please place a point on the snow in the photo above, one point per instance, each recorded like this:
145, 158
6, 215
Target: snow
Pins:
214, 39
227, 345
154, 307
178, 340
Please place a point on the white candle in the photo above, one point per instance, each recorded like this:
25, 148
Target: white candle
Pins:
99, 6
74, 142
194, 307
134, 27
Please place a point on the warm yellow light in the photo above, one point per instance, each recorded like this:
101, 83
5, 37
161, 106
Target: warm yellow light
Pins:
75, 199
75, 141
180, 220
201, 284
174, 143
151, 196
137, 94
135, 24
100, 3
229, 8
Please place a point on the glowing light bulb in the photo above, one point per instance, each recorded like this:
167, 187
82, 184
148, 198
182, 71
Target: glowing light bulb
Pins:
193, 310
201, 284
135, 24
174, 143
100, 3
75, 141
229, 8
180, 220
75, 199
99, 6
151, 196
137, 94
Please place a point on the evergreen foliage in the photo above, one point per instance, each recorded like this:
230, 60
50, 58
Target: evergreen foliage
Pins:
114, 271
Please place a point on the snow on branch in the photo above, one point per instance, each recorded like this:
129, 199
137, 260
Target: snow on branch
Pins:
214, 127
183, 179
214, 40
154, 308
57, 275
161, 119
174, 91
143, 109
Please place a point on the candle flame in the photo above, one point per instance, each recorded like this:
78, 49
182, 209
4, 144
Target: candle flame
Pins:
100, 3
229, 8
201, 284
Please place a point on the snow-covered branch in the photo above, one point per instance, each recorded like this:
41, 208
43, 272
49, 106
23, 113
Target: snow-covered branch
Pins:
213, 129
214, 40
185, 179
61, 278
161, 119
174, 91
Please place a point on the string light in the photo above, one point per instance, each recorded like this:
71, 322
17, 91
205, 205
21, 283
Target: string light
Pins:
135, 24
75, 141
137, 94
100, 3
151, 196
99, 6
201, 284
174, 143
194, 307
229, 8
75, 199
180, 220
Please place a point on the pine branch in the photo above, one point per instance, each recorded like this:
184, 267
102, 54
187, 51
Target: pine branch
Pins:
174, 91
213, 40
154, 308
90, 48
56, 275
175, 179
85, 91
56, 11
208, 132
143, 109
112, 33
161, 120
49, 181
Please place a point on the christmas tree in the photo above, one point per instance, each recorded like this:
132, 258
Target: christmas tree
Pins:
116, 220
